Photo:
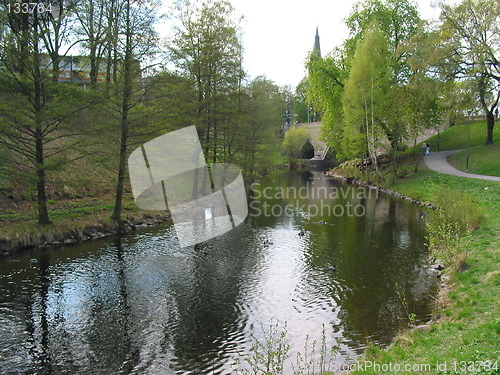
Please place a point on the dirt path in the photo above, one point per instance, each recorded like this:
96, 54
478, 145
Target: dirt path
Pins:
438, 162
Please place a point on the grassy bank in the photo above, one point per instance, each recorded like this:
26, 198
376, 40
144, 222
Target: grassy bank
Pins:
464, 333
80, 198
466, 322
72, 220
455, 138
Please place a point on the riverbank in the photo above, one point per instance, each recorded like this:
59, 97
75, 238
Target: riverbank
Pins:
463, 334
74, 220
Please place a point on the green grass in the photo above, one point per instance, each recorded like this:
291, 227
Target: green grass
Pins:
483, 159
455, 138
68, 216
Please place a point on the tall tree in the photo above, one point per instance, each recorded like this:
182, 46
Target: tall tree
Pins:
34, 110
56, 32
92, 29
300, 106
207, 49
366, 95
264, 105
137, 43
398, 21
326, 82
471, 36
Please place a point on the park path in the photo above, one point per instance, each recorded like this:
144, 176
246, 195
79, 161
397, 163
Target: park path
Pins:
438, 162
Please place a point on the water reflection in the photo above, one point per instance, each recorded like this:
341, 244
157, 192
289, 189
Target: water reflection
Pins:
141, 304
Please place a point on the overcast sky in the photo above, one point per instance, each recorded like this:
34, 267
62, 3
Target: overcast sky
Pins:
278, 34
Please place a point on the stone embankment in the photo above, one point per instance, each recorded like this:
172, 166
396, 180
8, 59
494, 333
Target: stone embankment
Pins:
92, 232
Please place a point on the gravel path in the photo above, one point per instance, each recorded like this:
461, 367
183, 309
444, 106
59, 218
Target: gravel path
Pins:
438, 162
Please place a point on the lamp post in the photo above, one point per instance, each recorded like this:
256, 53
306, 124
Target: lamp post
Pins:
468, 143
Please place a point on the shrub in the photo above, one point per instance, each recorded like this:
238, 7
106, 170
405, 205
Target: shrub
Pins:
449, 227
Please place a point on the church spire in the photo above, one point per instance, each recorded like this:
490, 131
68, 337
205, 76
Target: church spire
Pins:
316, 43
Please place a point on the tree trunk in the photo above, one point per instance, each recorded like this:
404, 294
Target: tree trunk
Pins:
43, 212
490, 118
124, 124
490, 124
93, 64
117, 212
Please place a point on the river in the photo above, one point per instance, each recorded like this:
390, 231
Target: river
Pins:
141, 304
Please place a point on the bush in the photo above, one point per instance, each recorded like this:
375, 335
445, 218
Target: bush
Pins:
449, 227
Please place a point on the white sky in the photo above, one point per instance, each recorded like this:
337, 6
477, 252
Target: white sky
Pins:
278, 34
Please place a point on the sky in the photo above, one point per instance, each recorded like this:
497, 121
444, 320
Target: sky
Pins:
278, 34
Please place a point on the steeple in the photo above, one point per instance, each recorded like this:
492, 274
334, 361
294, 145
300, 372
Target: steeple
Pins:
316, 43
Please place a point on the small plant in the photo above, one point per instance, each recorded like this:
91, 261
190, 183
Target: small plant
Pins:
268, 356
411, 316
305, 363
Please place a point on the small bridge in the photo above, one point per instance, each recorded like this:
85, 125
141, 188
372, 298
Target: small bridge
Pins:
320, 147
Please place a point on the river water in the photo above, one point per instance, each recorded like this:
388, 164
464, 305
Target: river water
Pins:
140, 304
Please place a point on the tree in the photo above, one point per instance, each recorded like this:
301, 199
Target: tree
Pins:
56, 30
207, 48
326, 80
91, 17
366, 96
397, 20
263, 107
471, 36
300, 106
137, 41
35, 110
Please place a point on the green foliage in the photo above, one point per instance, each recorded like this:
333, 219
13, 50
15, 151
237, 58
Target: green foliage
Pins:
326, 80
294, 140
398, 21
365, 95
467, 49
300, 106
450, 225
207, 49
260, 117
410, 316
268, 356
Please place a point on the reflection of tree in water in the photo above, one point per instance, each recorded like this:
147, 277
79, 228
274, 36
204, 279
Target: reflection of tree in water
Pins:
131, 353
38, 337
383, 251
